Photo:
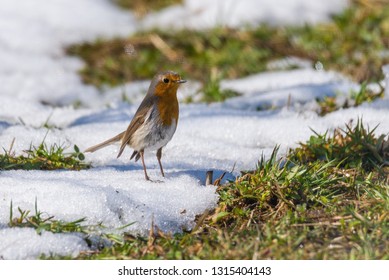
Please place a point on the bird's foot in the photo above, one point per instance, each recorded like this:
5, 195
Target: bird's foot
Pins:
156, 181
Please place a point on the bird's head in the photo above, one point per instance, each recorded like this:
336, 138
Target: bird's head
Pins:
166, 83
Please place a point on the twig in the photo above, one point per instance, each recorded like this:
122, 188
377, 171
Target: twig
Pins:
200, 221
161, 45
209, 177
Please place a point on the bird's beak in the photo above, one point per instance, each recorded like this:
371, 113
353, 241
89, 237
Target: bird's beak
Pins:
181, 81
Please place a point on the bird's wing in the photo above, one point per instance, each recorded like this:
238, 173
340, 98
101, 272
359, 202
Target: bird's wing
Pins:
105, 143
142, 115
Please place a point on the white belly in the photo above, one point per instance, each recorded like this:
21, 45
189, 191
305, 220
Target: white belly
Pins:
152, 136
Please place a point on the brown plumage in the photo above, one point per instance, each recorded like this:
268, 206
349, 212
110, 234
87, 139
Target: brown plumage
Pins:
154, 123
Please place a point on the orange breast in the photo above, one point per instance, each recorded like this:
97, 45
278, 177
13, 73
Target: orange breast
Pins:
168, 108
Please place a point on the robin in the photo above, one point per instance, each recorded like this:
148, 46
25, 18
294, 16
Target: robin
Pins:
154, 122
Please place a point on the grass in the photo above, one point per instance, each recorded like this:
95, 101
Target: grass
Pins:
354, 43
326, 199
227, 52
330, 104
42, 222
93, 235
212, 90
353, 147
142, 7
44, 157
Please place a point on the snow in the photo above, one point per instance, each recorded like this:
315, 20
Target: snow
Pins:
22, 240
32, 37
272, 90
200, 14
224, 137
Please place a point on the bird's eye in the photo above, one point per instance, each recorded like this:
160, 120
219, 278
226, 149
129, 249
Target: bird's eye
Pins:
166, 80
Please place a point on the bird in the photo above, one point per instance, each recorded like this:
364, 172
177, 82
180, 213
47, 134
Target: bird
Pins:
154, 122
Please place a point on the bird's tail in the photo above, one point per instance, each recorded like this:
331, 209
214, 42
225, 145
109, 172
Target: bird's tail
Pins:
105, 143
135, 154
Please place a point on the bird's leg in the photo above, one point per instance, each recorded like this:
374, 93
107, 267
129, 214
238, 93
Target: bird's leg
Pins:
141, 152
159, 155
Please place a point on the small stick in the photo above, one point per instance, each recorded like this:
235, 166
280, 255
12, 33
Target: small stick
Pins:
209, 178
163, 47
289, 102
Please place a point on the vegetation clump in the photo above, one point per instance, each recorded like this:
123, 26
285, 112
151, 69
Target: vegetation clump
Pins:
44, 157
